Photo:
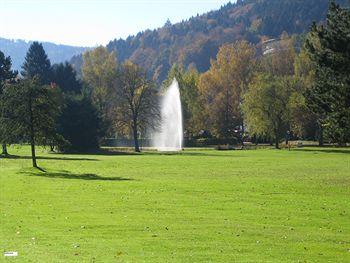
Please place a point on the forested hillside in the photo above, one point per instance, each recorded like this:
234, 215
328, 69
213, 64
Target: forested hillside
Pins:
17, 50
195, 41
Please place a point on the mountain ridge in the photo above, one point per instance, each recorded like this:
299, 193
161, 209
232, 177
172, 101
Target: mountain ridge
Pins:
195, 41
17, 49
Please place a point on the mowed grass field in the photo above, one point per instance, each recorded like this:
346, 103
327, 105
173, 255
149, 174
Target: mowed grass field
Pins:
195, 206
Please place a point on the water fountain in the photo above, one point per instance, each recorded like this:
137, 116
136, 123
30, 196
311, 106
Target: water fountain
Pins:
169, 137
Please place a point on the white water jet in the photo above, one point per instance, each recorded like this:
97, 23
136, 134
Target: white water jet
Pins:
169, 137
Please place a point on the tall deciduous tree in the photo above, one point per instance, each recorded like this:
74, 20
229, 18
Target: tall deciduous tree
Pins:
277, 71
32, 110
6, 75
304, 123
137, 101
37, 64
329, 49
223, 86
99, 72
266, 106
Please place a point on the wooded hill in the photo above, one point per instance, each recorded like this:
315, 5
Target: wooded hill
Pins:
195, 41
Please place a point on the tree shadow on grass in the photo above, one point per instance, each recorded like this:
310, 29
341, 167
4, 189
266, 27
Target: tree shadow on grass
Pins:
327, 150
68, 175
47, 158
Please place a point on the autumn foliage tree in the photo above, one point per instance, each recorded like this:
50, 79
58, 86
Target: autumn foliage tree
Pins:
99, 73
304, 122
136, 101
223, 85
266, 106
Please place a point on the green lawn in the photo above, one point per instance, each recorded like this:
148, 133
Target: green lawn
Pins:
195, 206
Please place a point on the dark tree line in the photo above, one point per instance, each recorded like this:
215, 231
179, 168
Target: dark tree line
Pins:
31, 111
47, 105
329, 49
6, 76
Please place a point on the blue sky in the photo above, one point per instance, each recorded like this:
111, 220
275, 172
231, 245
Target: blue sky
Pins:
92, 22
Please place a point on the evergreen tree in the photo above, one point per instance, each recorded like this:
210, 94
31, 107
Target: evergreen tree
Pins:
79, 124
37, 64
6, 75
329, 49
65, 77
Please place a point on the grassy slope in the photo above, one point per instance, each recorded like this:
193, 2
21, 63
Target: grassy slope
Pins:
246, 206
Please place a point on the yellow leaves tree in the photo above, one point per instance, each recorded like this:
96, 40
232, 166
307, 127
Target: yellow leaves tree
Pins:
136, 101
267, 105
304, 122
222, 88
99, 72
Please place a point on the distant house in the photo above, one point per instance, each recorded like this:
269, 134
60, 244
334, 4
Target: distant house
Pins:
271, 45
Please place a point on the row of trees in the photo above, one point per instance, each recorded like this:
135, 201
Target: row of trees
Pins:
240, 91
39, 106
286, 92
329, 50
245, 93
313, 94
48, 105
125, 97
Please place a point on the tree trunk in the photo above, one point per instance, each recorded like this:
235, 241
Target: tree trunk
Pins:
242, 133
277, 133
32, 146
4, 149
136, 140
287, 140
320, 135
277, 142
32, 136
